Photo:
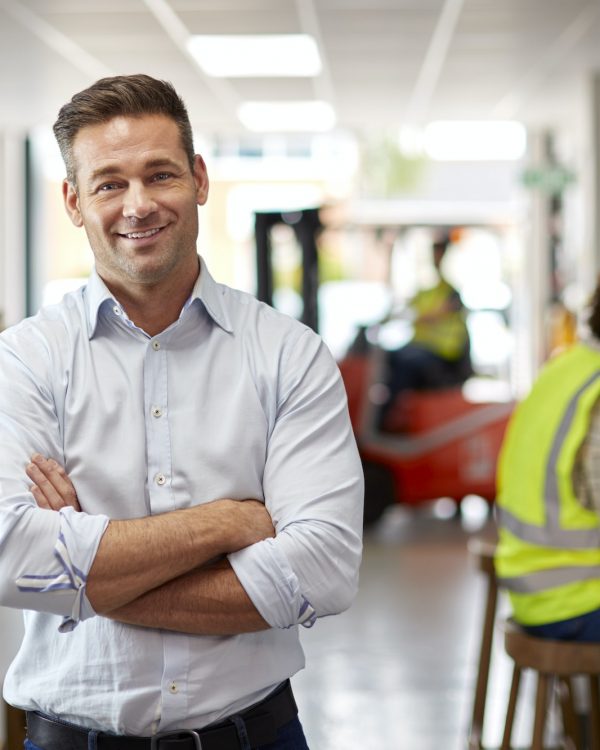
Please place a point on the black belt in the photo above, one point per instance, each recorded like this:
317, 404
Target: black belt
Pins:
261, 721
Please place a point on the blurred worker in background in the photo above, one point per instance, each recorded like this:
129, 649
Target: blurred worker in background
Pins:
548, 504
438, 354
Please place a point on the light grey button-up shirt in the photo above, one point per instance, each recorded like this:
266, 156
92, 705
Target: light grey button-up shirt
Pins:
232, 400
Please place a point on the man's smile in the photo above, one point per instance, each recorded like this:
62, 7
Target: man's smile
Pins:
140, 235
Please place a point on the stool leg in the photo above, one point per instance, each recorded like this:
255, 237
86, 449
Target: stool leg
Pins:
571, 725
541, 702
594, 713
485, 652
15, 726
510, 710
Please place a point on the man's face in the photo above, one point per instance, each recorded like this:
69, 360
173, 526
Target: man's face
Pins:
137, 199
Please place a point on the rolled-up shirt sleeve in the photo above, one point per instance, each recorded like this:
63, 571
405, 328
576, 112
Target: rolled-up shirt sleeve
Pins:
313, 488
45, 556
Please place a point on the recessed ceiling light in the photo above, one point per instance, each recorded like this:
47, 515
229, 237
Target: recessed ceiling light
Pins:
285, 117
473, 140
264, 55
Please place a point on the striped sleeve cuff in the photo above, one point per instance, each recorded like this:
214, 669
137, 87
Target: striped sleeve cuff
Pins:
272, 585
73, 556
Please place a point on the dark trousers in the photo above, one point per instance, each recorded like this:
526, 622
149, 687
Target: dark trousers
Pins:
583, 628
416, 368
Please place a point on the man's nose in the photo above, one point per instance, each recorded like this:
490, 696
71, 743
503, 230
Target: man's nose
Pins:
138, 201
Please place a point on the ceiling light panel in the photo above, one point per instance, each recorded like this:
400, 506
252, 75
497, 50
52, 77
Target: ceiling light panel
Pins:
497, 140
286, 117
256, 55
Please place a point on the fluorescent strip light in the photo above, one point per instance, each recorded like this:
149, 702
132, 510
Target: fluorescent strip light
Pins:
472, 140
253, 56
285, 117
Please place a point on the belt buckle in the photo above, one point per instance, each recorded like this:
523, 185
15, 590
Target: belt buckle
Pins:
155, 739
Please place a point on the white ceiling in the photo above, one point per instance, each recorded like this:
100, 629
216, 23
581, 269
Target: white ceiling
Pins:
386, 62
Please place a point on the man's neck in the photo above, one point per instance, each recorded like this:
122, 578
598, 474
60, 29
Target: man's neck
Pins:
155, 314
154, 307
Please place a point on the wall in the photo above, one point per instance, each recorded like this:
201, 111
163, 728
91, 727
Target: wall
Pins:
12, 227
11, 627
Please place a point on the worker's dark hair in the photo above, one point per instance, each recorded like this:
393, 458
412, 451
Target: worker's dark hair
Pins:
440, 242
128, 96
594, 317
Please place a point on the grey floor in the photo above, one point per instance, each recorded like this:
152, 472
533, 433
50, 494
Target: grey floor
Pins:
397, 670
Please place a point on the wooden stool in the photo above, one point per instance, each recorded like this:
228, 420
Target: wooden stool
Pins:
15, 727
554, 661
481, 552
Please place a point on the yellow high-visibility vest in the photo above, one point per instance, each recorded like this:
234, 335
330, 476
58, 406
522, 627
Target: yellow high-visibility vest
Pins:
548, 556
446, 337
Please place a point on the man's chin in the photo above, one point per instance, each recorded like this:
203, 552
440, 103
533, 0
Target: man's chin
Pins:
148, 266
147, 274
152, 269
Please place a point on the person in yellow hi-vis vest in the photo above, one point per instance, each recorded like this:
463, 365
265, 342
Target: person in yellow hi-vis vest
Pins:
438, 353
548, 503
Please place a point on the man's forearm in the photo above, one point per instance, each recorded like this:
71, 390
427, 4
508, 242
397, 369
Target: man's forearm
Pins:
206, 601
139, 555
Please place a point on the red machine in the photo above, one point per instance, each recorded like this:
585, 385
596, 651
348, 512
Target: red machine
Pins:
436, 444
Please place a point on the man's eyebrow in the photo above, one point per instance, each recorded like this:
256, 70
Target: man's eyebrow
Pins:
97, 174
110, 170
162, 162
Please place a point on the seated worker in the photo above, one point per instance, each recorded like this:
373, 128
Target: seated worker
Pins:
438, 354
548, 503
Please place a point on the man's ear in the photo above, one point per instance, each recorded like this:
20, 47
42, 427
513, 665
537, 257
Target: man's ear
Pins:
71, 200
201, 180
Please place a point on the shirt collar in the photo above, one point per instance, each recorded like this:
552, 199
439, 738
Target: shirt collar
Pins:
206, 290
96, 292
211, 295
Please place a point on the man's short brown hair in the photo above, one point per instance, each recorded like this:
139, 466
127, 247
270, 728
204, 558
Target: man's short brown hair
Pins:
125, 96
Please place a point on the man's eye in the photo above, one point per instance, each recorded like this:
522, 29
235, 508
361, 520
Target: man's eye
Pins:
161, 176
106, 186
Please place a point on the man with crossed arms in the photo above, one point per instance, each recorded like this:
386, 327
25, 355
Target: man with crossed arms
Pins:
211, 495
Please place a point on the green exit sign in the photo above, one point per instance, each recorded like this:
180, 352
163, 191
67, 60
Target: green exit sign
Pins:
551, 179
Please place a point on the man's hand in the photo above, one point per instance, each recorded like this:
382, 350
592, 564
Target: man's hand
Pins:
52, 488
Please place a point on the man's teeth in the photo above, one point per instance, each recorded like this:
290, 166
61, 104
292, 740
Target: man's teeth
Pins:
140, 235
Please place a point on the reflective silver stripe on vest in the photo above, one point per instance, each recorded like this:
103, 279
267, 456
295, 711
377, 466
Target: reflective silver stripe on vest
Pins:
551, 485
551, 535
545, 536
542, 580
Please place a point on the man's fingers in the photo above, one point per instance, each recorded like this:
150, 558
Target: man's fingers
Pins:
61, 482
53, 482
39, 497
44, 487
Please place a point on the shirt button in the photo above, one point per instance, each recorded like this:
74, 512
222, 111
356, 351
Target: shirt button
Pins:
116, 310
156, 345
156, 411
160, 479
173, 688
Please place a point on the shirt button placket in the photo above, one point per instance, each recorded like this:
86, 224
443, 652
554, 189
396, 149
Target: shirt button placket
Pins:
157, 427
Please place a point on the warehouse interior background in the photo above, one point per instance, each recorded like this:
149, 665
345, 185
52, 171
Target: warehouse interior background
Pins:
395, 119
